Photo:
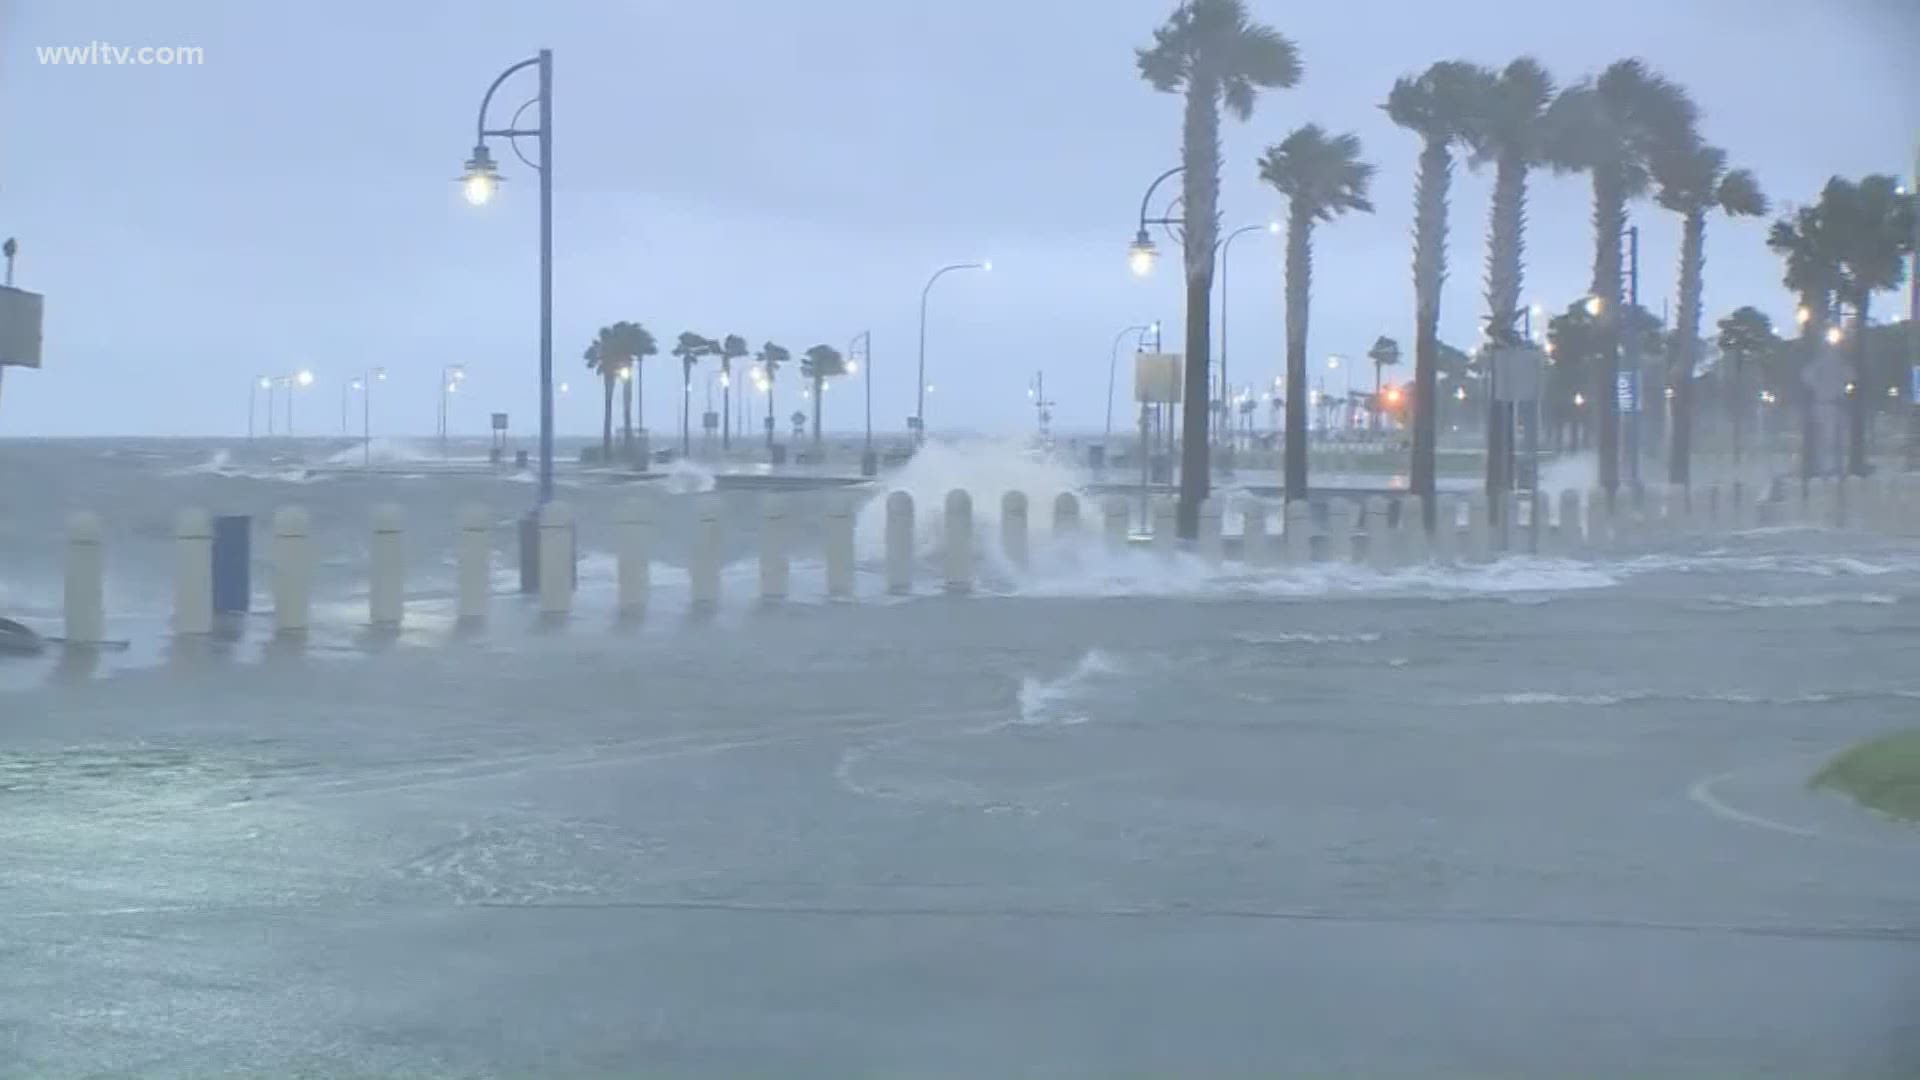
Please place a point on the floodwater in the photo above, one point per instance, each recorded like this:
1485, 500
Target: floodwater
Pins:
1109, 815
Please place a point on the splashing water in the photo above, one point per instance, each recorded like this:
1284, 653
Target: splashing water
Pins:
684, 477
986, 470
1049, 701
382, 451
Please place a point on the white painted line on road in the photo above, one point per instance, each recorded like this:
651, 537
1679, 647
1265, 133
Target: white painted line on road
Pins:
1702, 793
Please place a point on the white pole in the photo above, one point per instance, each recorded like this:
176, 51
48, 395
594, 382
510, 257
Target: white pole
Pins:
899, 543
387, 596
292, 571
1013, 528
1212, 548
840, 550
1066, 517
774, 570
475, 563
703, 571
193, 573
556, 559
86, 611
1253, 532
1114, 521
959, 541
631, 525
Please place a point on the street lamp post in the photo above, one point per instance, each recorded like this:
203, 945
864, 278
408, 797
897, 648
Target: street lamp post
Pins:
364, 384
920, 407
451, 376
480, 181
1113, 363
869, 461
1226, 252
253, 393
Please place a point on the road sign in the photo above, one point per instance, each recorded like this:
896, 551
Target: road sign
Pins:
1913, 390
19, 327
1156, 378
499, 421
1626, 390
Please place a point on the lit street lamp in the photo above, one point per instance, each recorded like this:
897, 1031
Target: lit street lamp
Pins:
364, 386
920, 408
451, 377
869, 462
298, 380
479, 183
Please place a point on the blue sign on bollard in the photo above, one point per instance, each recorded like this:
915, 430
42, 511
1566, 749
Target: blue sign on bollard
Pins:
1626, 387
232, 564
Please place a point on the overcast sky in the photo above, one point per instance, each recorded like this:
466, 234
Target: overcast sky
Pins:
790, 171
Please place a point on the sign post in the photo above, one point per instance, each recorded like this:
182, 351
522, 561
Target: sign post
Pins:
1156, 381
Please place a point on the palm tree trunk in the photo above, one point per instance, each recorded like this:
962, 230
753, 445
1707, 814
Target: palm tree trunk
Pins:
686, 406
769, 411
1429, 271
1506, 246
1299, 293
1609, 223
606, 423
1693, 263
819, 391
726, 410
1200, 154
1737, 404
1857, 401
626, 405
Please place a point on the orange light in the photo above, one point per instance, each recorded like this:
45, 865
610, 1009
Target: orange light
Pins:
1393, 396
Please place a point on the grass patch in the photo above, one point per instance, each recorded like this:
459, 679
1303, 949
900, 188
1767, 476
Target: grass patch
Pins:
1883, 774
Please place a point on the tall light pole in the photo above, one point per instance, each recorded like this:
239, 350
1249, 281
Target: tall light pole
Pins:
299, 380
451, 376
920, 408
482, 179
869, 461
1226, 252
1113, 363
253, 393
364, 384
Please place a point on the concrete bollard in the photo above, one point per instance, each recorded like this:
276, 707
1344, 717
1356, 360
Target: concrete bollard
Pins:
1379, 533
1599, 520
774, 568
899, 543
1479, 547
1066, 516
386, 592
555, 552
292, 570
1114, 523
840, 550
86, 603
1444, 540
1212, 548
1298, 534
1166, 534
193, 573
1343, 520
957, 553
1410, 533
1568, 534
473, 559
1253, 533
1013, 528
635, 571
703, 570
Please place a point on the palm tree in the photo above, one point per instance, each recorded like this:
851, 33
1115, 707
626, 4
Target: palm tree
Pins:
733, 348
818, 364
615, 355
690, 348
770, 358
1694, 179
1322, 177
1812, 272
1215, 54
1439, 106
608, 364
1510, 133
1609, 128
1871, 228
1385, 353
1746, 337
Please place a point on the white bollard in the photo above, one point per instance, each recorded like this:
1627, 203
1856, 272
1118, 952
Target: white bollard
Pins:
1210, 544
556, 558
840, 550
1298, 534
1380, 553
1479, 529
958, 550
1410, 533
1066, 517
1445, 538
193, 573
86, 605
774, 568
1253, 532
899, 543
1568, 534
635, 571
1013, 528
1343, 521
474, 563
386, 593
1166, 534
292, 570
1114, 523
703, 569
